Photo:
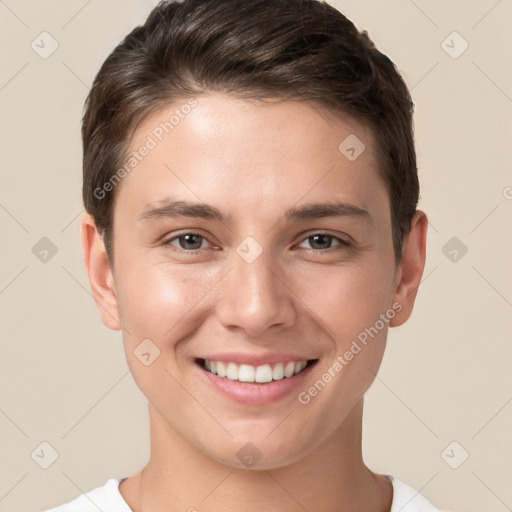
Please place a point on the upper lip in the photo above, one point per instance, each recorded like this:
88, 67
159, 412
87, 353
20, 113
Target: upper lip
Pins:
256, 359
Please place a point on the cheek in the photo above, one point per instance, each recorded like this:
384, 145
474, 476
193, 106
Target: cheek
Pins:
346, 299
157, 304
349, 304
156, 300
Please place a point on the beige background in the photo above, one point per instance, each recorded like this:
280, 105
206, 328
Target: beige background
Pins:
446, 374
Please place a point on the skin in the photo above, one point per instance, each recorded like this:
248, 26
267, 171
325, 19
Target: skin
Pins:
253, 161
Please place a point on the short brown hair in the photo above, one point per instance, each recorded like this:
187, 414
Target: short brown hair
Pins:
302, 50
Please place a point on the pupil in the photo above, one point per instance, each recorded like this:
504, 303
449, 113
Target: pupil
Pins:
324, 237
187, 238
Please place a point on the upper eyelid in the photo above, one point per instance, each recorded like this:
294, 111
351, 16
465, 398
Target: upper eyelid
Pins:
304, 236
340, 238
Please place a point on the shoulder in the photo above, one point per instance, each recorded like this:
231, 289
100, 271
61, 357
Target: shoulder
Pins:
406, 499
106, 498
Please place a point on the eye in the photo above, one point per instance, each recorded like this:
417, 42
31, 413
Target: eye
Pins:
188, 242
323, 242
192, 242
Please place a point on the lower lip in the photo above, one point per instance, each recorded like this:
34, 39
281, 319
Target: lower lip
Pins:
256, 393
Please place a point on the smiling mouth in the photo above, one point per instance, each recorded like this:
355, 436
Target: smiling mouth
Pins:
255, 374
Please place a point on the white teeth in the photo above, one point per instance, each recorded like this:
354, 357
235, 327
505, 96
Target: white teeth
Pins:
248, 373
299, 366
289, 369
232, 371
221, 369
264, 373
278, 371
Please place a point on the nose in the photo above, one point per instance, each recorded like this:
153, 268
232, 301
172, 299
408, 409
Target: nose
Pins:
256, 296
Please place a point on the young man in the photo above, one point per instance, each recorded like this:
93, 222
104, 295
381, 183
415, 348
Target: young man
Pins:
251, 187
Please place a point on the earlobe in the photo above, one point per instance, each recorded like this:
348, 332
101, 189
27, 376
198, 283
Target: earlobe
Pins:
99, 273
411, 268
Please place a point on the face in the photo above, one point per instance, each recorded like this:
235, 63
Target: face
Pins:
285, 261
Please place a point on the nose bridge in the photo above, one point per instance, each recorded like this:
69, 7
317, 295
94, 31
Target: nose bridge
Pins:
254, 296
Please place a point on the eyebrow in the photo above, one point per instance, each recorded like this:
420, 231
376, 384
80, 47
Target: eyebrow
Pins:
172, 209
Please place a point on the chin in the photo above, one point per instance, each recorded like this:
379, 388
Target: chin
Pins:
260, 452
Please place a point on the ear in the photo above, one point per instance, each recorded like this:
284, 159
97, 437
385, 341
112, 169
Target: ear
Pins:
410, 270
99, 272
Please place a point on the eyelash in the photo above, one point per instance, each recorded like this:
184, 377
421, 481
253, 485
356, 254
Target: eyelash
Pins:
343, 244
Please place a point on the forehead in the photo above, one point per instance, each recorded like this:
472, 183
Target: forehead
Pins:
220, 149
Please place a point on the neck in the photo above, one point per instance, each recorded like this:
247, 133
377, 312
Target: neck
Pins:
332, 477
